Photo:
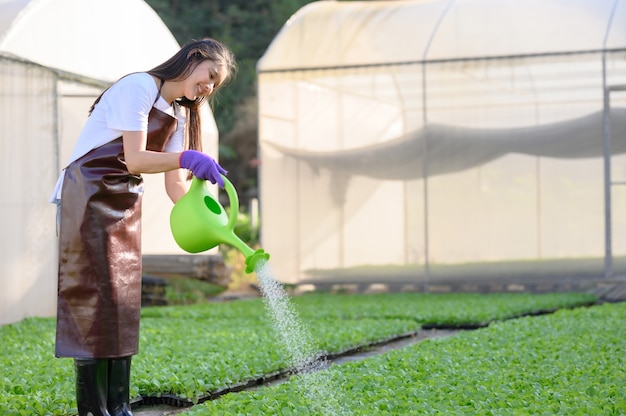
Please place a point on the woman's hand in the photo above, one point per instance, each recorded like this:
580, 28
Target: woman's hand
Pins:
202, 166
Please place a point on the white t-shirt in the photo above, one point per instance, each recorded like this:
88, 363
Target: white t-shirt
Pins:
123, 107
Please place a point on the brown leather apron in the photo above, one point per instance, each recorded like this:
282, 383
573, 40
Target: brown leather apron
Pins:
99, 295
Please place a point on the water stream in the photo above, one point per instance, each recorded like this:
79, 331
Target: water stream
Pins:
300, 349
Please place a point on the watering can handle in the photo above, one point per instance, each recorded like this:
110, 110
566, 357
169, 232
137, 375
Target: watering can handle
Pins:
234, 203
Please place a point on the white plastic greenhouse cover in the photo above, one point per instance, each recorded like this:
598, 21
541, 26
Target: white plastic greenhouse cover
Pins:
329, 34
99, 39
442, 132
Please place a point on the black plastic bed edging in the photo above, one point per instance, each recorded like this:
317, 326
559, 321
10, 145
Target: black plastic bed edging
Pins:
460, 327
173, 400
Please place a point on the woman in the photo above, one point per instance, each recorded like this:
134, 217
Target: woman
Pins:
138, 125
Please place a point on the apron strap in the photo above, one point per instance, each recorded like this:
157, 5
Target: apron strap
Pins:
159, 94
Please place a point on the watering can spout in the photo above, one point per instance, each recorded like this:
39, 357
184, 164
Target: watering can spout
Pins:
252, 257
252, 261
199, 223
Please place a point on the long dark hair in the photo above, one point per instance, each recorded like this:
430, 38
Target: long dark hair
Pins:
180, 66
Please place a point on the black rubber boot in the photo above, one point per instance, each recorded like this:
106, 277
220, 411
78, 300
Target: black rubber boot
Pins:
119, 387
92, 386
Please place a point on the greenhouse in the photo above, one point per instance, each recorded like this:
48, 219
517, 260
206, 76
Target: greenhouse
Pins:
412, 142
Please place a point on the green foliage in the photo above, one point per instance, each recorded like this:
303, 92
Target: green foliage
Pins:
32, 381
183, 290
443, 309
192, 350
568, 363
190, 357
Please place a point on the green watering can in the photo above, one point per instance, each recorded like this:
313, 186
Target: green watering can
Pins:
199, 222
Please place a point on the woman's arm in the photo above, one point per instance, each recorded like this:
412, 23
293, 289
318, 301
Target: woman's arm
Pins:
139, 160
176, 184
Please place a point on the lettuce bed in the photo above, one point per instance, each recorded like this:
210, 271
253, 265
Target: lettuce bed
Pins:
450, 309
191, 359
568, 363
190, 351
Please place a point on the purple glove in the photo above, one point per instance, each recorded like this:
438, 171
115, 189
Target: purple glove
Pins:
203, 166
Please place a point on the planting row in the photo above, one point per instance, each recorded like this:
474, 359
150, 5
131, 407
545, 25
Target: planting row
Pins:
191, 351
568, 363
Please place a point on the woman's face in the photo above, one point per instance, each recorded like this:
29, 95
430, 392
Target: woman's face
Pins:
204, 79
